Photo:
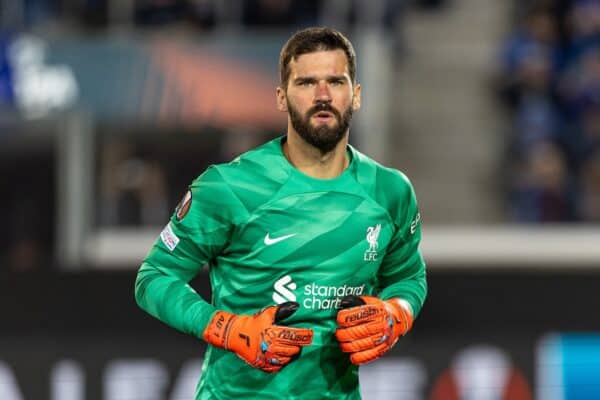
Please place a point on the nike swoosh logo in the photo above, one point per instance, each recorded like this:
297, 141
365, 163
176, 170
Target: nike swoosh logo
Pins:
269, 241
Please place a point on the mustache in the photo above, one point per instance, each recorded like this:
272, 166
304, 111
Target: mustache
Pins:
322, 106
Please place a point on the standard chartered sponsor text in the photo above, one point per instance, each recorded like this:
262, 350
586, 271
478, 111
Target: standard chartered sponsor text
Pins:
321, 297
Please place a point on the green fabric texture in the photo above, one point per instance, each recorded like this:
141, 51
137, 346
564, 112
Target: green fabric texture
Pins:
270, 234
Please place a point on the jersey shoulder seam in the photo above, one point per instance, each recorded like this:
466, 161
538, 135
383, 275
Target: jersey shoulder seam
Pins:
364, 161
217, 168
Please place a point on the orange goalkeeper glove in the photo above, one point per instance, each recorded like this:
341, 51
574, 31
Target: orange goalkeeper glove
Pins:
368, 327
256, 338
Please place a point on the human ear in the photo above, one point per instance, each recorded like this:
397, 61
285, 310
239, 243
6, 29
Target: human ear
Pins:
281, 99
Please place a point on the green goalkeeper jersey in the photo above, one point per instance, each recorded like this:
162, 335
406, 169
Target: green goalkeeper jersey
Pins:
271, 234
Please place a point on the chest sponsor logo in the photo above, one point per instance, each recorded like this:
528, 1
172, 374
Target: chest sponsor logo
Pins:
316, 297
270, 241
283, 290
373, 240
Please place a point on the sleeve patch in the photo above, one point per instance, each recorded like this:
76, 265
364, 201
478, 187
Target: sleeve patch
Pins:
414, 223
184, 206
169, 238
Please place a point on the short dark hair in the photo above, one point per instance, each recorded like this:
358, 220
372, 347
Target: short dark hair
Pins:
310, 40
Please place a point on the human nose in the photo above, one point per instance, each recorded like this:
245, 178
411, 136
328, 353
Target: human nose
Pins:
323, 92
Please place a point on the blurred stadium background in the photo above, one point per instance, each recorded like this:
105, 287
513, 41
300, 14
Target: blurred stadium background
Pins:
109, 108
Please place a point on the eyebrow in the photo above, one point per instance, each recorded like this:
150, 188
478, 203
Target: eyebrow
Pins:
311, 78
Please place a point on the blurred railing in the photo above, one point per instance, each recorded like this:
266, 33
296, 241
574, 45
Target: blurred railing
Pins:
509, 247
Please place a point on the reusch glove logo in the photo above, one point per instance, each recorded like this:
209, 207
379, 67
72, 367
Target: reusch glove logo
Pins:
367, 313
292, 336
283, 290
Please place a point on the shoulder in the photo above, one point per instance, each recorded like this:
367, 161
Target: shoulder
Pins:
394, 179
250, 179
259, 165
262, 162
388, 187
210, 179
385, 181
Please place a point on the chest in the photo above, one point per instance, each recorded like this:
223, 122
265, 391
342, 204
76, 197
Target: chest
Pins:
335, 235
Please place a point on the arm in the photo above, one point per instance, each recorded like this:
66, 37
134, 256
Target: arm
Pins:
196, 234
191, 239
370, 326
402, 273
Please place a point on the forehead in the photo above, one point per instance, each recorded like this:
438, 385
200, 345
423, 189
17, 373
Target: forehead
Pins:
326, 62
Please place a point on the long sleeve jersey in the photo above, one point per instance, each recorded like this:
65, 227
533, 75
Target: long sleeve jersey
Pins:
270, 234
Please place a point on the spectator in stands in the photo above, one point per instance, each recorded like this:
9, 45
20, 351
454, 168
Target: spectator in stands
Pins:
553, 90
158, 12
583, 137
280, 13
529, 56
580, 81
133, 190
542, 191
583, 21
589, 195
580, 100
202, 13
536, 115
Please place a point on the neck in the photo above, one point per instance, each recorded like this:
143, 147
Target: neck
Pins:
310, 161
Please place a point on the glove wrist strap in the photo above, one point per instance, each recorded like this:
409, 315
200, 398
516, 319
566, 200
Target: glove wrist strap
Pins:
217, 331
401, 313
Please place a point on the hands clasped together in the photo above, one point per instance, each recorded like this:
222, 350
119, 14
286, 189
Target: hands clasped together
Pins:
367, 328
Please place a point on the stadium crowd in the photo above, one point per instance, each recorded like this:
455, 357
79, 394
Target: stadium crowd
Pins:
203, 14
550, 82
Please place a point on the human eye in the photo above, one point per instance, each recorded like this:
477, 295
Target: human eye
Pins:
305, 83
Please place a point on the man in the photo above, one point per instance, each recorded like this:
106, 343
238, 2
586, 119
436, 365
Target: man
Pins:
312, 247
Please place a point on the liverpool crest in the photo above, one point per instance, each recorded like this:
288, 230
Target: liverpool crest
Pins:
372, 239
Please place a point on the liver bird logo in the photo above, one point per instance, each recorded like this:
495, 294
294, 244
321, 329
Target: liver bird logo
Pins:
372, 237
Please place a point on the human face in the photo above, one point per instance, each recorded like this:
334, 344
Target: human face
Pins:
320, 98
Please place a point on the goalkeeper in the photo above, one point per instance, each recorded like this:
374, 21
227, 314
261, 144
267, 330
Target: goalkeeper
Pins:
312, 247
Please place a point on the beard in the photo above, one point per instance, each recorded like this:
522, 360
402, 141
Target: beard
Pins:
322, 137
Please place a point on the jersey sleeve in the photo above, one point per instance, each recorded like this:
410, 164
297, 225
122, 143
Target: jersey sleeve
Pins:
402, 272
196, 233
